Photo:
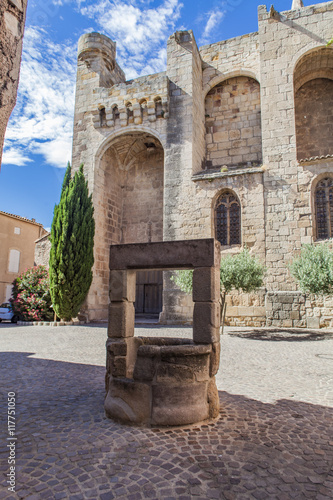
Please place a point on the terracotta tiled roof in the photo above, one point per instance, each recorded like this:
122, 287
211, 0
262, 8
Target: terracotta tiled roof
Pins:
45, 236
32, 221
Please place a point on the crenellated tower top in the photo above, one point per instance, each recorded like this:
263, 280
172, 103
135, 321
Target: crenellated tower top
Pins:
98, 53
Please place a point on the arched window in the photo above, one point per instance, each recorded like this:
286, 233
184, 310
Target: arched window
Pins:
115, 112
144, 107
130, 114
228, 219
324, 208
102, 116
159, 107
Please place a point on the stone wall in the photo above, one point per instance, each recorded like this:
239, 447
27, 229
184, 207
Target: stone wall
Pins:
290, 309
42, 251
12, 19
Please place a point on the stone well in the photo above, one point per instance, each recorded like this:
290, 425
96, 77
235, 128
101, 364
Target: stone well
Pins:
160, 381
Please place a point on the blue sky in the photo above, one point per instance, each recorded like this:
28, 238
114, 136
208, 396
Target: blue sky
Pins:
39, 133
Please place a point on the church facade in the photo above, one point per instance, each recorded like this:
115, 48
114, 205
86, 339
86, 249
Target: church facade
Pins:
234, 141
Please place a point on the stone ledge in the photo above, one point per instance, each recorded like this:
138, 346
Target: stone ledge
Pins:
50, 323
204, 176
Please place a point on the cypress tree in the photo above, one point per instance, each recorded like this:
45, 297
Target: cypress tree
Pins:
72, 243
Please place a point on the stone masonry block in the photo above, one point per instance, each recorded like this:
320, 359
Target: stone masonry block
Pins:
206, 284
180, 363
118, 366
144, 368
121, 319
179, 405
313, 322
213, 399
128, 401
116, 347
206, 322
122, 286
215, 359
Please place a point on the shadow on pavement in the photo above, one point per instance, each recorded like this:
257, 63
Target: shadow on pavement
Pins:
66, 448
286, 335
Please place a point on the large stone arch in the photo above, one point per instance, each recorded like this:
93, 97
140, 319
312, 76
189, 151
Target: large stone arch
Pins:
313, 93
226, 76
129, 129
128, 203
233, 123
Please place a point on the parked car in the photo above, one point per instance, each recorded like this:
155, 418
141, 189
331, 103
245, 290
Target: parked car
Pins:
6, 313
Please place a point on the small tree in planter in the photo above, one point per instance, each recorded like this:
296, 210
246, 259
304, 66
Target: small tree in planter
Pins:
72, 244
313, 269
31, 300
241, 272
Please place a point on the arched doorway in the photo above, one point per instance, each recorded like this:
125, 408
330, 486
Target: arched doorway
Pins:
128, 201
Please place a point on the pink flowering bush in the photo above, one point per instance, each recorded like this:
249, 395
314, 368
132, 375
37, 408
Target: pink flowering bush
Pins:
31, 299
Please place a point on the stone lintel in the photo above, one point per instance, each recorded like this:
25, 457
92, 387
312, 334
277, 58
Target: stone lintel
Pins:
186, 254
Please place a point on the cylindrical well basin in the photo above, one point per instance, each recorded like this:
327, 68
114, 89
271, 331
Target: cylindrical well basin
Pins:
172, 384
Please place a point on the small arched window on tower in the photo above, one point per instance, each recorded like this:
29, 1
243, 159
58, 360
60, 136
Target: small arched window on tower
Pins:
130, 114
115, 113
158, 107
102, 117
144, 108
324, 208
228, 219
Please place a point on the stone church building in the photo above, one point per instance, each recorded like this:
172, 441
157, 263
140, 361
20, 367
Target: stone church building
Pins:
234, 141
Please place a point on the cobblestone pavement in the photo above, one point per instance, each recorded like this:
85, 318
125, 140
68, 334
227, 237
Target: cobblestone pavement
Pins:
273, 440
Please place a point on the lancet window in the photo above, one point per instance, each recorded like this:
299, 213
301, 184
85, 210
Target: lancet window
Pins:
228, 219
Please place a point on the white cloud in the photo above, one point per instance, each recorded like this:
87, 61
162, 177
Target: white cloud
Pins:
42, 121
214, 19
140, 33
14, 156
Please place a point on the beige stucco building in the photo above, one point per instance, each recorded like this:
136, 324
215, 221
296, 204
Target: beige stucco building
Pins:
233, 140
17, 249
12, 19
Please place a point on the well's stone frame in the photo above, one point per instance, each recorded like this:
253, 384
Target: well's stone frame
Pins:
159, 381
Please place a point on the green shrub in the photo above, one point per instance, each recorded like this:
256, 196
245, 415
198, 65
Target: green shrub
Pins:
241, 272
31, 300
313, 269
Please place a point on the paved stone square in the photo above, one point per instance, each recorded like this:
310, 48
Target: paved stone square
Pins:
273, 439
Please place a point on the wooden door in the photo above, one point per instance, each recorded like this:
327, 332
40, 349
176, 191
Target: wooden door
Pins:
149, 286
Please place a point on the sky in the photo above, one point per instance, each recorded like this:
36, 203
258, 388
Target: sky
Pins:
38, 140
